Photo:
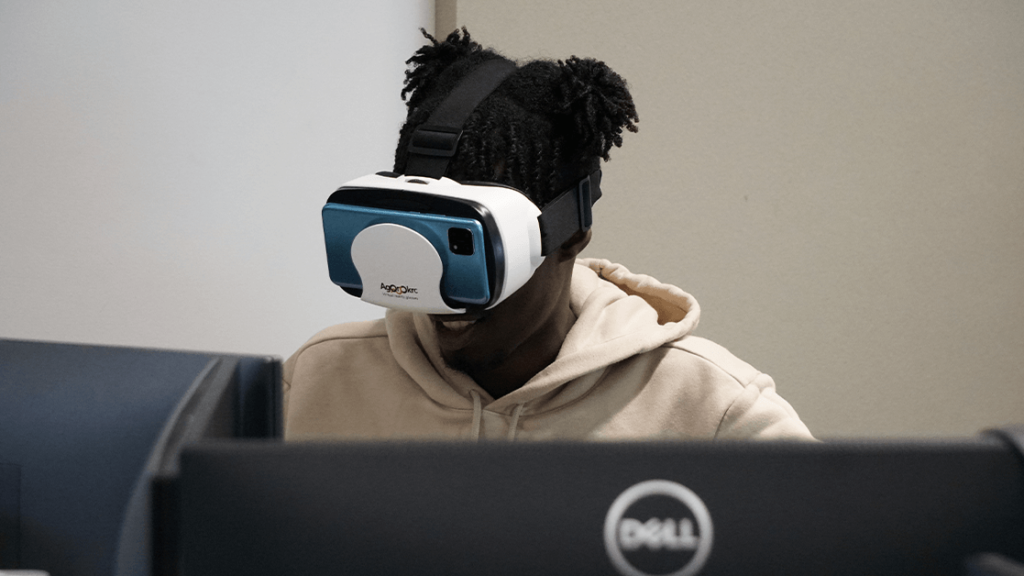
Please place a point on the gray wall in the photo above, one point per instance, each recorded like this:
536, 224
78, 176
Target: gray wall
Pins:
840, 184
163, 165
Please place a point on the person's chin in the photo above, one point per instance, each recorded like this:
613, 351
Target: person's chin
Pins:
455, 332
472, 364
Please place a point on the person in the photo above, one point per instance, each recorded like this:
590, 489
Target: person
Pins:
586, 350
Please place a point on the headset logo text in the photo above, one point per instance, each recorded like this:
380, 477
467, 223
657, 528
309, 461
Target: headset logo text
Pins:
658, 527
392, 289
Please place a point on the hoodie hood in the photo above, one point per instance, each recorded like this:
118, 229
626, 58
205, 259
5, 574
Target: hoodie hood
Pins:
628, 369
618, 315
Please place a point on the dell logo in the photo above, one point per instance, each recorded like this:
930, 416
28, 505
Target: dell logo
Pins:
657, 534
658, 527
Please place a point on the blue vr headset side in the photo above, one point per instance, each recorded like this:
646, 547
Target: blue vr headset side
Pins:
425, 243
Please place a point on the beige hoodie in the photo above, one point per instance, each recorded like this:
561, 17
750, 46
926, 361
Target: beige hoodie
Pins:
628, 369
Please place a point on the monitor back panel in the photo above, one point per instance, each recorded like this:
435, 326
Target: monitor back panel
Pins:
771, 508
78, 425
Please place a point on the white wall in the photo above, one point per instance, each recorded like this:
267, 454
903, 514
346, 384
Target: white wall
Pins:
163, 165
840, 184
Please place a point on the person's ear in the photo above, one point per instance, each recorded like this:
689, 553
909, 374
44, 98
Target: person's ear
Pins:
573, 246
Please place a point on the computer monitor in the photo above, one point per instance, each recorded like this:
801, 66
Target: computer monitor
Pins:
629, 509
84, 429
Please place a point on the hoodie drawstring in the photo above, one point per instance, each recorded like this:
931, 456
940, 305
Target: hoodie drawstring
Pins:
477, 413
515, 422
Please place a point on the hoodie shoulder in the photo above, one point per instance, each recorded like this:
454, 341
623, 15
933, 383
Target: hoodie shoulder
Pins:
718, 355
756, 410
367, 330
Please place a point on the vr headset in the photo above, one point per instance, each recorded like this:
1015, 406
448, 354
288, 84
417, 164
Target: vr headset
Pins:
425, 243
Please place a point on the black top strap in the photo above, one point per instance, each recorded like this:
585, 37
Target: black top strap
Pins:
434, 142
569, 212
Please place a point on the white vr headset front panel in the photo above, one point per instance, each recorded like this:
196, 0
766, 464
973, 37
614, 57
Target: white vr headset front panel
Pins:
400, 268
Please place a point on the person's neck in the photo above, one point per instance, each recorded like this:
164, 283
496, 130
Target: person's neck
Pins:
534, 355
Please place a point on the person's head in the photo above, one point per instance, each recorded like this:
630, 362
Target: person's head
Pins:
544, 128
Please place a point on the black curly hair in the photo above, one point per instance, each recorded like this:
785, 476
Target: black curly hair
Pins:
544, 128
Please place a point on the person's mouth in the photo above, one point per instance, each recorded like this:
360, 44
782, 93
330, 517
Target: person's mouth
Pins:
458, 325
455, 324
